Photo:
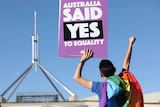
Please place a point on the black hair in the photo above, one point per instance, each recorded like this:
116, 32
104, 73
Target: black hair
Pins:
107, 68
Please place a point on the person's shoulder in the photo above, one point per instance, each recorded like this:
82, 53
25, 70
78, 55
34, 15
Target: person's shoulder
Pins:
97, 82
113, 78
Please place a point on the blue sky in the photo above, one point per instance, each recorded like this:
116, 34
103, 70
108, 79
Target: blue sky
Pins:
125, 18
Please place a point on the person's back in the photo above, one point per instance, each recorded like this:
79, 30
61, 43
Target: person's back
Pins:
111, 92
117, 90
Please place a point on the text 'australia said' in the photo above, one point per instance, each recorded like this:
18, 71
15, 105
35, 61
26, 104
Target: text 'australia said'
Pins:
80, 11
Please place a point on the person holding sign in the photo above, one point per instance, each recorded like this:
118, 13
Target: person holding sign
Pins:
121, 90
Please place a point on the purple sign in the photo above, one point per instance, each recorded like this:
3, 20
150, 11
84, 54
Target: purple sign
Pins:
83, 25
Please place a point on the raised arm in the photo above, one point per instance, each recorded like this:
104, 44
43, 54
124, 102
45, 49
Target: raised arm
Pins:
78, 74
127, 57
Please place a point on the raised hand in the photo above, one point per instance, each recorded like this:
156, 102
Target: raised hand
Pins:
88, 53
132, 39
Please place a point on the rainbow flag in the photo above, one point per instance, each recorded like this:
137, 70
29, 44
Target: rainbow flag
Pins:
135, 96
121, 90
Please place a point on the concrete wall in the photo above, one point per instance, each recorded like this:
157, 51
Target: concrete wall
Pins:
62, 104
54, 104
